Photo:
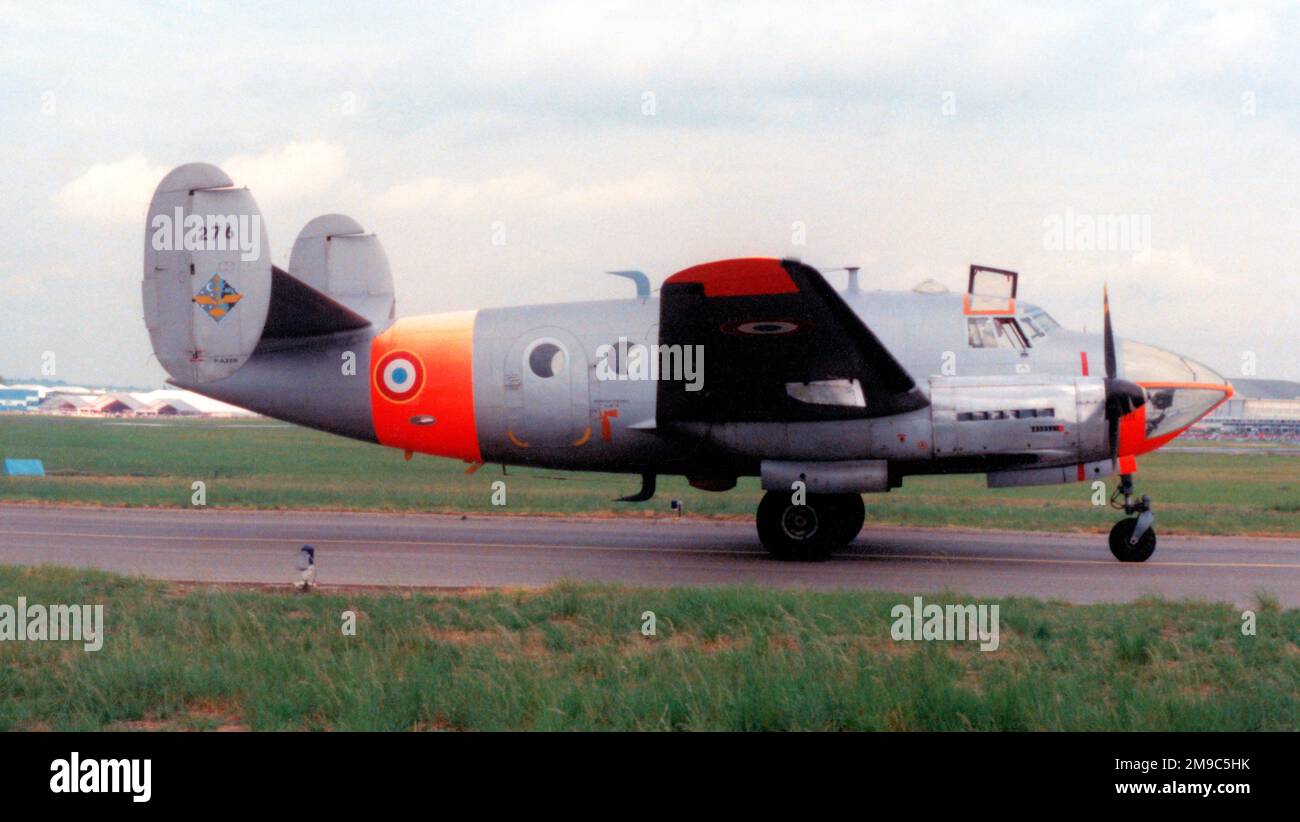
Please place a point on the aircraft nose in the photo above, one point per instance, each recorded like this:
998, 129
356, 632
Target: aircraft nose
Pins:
1179, 391
1142, 363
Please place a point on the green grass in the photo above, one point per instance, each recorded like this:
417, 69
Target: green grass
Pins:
251, 465
573, 657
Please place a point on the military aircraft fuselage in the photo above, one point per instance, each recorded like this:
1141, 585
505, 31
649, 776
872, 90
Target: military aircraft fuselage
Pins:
569, 386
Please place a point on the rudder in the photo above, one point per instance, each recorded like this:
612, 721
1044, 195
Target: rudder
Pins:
207, 274
334, 255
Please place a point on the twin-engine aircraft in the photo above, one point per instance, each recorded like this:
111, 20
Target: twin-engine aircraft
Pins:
745, 367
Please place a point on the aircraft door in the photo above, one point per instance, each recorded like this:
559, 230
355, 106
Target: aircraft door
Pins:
547, 392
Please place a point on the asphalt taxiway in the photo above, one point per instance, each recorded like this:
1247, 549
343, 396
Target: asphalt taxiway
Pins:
480, 550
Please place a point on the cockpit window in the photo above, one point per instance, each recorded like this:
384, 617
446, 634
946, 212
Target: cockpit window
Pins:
995, 332
1043, 321
1037, 323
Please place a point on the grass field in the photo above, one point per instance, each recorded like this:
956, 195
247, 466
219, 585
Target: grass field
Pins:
574, 657
269, 465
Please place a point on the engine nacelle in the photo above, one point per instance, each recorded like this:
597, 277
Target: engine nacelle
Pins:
1061, 423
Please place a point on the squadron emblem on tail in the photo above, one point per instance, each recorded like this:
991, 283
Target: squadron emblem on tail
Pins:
218, 298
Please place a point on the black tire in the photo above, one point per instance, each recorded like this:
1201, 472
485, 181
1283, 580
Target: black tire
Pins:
848, 513
795, 532
1125, 551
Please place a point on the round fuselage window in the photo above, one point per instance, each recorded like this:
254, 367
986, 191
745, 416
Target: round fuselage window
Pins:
546, 359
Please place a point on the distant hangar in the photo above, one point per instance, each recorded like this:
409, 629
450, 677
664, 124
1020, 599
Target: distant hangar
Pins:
80, 401
1260, 409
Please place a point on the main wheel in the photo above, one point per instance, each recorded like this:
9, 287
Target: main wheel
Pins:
1121, 544
792, 531
846, 518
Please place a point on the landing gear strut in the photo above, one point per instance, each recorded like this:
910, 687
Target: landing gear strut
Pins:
811, 531
1132, 539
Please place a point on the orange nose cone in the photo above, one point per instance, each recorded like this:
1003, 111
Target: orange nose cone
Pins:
1170, 409
422, 386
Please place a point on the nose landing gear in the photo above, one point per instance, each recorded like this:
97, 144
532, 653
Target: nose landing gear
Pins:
1132, 539
808, 532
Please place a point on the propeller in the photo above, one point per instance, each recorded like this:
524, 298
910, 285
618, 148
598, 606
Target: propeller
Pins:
1122, 396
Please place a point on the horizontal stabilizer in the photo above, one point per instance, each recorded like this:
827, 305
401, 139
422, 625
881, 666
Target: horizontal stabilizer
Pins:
298, 310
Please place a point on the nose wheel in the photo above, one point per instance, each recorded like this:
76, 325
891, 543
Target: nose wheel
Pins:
1132, 539
808, 532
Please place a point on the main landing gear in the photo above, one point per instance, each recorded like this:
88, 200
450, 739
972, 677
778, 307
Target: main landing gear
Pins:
1132, 539
810, 531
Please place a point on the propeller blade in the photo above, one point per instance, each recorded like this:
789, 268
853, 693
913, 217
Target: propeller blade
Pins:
1122, 397
1108, 335
1113, 433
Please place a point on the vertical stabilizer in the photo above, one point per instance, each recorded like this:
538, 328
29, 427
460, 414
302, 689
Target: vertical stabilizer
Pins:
207, 274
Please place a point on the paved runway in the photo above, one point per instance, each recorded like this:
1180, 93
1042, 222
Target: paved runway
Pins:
483, 550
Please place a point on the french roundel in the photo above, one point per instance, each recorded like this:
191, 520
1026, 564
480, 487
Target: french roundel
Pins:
399, 375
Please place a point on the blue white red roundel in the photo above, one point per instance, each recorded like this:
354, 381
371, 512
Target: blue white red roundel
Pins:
399, 375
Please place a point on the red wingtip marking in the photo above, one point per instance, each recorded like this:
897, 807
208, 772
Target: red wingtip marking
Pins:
742, 277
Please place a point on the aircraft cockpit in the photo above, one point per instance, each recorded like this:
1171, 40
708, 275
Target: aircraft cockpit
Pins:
1036, 322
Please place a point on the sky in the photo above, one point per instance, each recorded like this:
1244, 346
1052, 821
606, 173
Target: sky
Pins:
909, 139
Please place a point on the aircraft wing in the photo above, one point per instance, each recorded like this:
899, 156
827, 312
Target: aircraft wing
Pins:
779, 344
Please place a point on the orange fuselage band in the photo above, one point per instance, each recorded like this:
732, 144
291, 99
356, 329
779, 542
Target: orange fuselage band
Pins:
430, 374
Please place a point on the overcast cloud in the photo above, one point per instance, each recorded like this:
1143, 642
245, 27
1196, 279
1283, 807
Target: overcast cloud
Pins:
910, 139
